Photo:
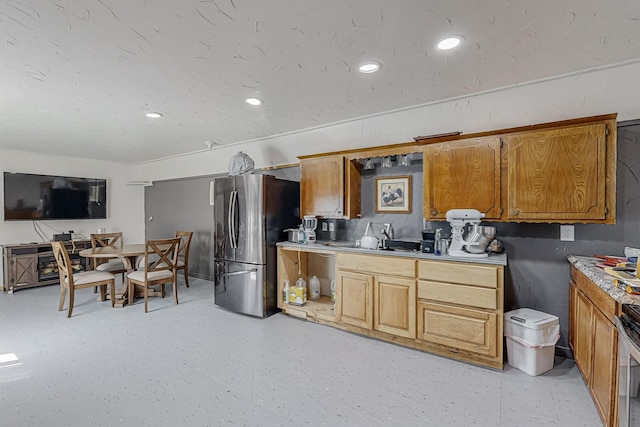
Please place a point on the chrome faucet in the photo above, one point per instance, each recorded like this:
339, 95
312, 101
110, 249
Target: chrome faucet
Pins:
388, 231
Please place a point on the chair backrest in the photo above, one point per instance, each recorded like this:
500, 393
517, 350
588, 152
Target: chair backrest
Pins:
161, 254
64, 263
106, 239
185, 242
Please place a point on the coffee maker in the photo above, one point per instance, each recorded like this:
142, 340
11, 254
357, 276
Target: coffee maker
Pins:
309, 224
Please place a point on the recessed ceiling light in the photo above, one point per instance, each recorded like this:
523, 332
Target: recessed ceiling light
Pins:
450, 43
369, 67
253, 101
153, 115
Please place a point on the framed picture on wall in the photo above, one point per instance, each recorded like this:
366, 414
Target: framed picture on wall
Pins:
393, 194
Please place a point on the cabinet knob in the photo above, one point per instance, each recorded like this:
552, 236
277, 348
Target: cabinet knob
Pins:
514, 213
434, 212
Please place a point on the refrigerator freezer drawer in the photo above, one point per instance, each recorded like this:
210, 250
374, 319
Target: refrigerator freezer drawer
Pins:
240, 287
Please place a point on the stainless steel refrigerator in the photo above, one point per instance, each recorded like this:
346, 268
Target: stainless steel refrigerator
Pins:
251, 213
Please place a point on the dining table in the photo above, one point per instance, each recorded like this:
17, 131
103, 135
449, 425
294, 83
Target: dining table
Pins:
128, 255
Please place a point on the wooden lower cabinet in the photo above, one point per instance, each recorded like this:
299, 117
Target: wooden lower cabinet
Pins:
354, 299
593, 338
395, 306
457, 327
450, 308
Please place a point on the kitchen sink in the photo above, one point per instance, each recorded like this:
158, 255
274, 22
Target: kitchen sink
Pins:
338, 244
400, 245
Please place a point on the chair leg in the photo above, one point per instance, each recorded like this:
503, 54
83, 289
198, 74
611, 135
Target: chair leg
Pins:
146, 297
175, 289
63, 294
186, 277
113, 292
103, 292
71, 295
130, 290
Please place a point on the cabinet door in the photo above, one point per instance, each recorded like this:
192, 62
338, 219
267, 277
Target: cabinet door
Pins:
462, 174
395, 306
354, 299
322, 186
604, 369
24, 269
461, 328
557, 174
583, 342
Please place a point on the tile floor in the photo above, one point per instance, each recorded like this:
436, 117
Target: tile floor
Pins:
195, 364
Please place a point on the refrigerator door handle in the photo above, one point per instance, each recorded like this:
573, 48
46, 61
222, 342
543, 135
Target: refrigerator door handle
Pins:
233, 197
237, 273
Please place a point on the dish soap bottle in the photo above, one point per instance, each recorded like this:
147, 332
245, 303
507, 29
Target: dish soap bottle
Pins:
314, 288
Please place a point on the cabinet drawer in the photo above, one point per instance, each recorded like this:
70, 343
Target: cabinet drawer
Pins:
465, 329
467, 274
390, 266
472, 296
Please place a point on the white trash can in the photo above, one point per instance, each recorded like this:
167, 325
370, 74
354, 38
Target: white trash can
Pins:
531, 340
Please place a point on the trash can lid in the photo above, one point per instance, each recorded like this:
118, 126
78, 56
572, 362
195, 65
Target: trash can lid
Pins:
529, 318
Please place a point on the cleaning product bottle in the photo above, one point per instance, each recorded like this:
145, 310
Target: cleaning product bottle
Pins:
314, 288
285, 291
300, 292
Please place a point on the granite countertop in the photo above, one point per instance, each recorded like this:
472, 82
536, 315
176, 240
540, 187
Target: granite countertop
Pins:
587, 266
493, 259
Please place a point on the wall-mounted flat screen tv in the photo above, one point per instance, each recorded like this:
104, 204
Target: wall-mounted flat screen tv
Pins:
40, 197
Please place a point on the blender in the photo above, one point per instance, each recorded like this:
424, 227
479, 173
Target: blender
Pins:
309, 224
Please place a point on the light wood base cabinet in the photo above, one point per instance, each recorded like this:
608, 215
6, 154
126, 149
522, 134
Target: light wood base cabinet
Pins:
354, 299
457, 327
460, 305
395, 306
593, 338
449, 308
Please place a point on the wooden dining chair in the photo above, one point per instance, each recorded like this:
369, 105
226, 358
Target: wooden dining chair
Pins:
183, 253
72, 281
159, 268
112, 265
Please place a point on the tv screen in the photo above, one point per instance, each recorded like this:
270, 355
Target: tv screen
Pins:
38, 197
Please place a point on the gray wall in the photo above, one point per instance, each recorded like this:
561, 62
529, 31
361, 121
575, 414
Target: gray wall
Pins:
537, 275
183, 204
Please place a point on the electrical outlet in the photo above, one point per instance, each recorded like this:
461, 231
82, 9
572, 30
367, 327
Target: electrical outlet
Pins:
567, 233
324, 226
332, 226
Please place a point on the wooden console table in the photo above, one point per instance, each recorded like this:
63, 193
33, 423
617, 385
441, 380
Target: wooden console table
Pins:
28, 265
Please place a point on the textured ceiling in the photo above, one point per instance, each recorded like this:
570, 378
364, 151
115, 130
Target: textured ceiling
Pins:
76, 77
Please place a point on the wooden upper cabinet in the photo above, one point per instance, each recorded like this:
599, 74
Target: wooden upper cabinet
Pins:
462, 175
329, 187
561, 174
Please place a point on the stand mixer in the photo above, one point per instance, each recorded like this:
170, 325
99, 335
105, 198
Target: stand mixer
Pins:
475, 243
309, 224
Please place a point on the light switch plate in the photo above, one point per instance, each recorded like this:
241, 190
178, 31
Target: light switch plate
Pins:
567, 233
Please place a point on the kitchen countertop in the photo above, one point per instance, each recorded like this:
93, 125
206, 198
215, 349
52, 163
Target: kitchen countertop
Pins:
494, 259
587, 266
